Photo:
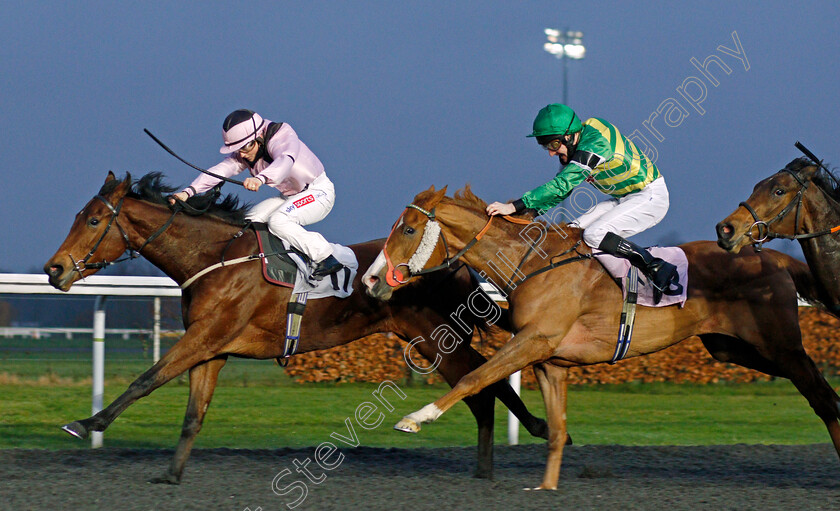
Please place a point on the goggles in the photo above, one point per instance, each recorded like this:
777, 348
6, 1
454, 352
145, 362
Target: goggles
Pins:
247, 147
554, 145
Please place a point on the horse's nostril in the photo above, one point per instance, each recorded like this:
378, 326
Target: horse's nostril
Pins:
724, 230
55, 270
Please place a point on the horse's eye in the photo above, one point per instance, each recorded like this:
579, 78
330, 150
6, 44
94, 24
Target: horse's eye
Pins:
779, 192
408, 230
93, 222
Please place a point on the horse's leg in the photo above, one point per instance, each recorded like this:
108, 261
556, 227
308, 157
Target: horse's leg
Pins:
794, 364
191, 350
725, 348
534, 425
552, 380
452, 366
203, 378
519, 352
808, 379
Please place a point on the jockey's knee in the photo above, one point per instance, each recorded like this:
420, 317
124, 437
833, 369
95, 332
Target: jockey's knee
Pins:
594, 236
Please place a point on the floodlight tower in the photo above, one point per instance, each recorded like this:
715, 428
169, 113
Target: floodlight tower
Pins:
564, 45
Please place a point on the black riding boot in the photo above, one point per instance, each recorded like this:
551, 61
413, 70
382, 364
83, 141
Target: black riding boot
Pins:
660, 273
326, 267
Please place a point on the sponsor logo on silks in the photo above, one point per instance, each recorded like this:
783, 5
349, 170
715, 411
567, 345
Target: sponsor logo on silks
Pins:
309, 199
304, 201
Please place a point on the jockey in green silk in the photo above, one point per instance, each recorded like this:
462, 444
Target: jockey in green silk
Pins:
596, 152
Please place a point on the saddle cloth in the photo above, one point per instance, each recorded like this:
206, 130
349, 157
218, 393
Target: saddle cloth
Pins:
285, 266
619, 268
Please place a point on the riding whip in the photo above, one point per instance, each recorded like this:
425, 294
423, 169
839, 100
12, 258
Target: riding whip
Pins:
170, 151
809, 154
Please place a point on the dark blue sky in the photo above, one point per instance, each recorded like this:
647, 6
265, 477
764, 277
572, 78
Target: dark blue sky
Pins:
395, 98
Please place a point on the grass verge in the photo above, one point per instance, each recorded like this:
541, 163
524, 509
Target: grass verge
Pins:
287, 414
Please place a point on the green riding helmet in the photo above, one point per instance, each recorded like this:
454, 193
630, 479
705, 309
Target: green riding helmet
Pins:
556, 119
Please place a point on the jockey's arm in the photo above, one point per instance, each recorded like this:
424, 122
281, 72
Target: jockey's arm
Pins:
284, 150
227, 168
552, 193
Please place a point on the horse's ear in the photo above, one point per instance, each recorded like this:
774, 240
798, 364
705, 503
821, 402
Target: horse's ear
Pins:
437, 196
429, 198
110, 176
808, 172
123, 187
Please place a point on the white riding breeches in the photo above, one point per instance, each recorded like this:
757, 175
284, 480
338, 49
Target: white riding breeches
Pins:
627, 215
286, 217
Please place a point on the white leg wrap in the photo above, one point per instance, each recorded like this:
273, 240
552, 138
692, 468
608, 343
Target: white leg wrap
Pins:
428, 413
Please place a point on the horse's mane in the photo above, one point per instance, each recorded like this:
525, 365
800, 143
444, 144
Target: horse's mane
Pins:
151, 188
824, 179
467, 199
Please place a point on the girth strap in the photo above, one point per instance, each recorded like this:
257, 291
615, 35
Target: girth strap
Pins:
628, 316
294, 317
580, 257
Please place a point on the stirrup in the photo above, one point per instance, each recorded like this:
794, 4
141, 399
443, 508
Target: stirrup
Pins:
658, 291
326, 267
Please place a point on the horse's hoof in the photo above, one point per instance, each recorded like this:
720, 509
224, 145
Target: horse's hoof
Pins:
166, 479
76, 429
483, 474
539, 430
407, 425
538, 488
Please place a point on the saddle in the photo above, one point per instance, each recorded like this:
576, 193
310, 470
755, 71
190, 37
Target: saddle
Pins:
277, 266
619, 269
281, 265
284, 265
637, 290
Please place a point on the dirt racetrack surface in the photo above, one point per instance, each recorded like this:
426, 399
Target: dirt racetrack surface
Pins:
732, 477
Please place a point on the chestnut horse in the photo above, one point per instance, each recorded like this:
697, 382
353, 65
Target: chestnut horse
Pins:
786, 205
233, 311
743, 307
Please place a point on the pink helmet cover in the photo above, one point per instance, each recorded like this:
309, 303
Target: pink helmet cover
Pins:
239, 128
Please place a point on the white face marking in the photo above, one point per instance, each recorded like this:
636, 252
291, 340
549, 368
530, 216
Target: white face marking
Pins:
431, 233
370, 278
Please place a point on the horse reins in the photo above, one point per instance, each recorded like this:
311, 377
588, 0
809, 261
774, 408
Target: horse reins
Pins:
393, 275
83, 264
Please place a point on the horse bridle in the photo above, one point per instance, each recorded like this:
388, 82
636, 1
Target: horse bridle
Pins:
763, 227
83, 264
393, 276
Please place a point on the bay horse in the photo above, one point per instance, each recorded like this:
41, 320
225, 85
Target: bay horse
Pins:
743, 307
786, 205
233, 311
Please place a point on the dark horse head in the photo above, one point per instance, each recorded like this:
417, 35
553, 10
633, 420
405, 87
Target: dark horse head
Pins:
101, 231
797, 202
